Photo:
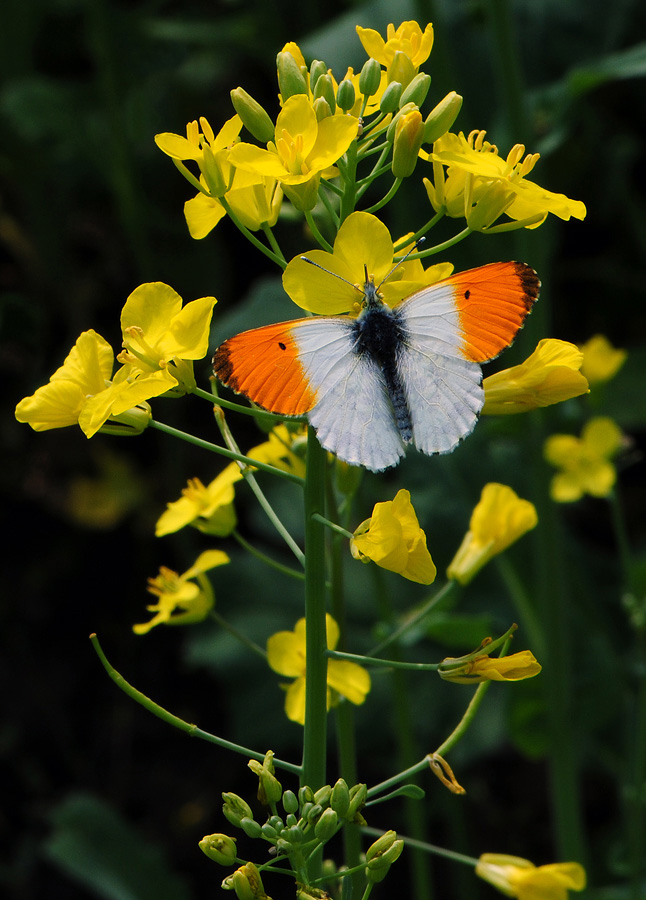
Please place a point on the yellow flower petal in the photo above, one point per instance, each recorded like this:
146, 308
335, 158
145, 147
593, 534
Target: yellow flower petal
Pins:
601, 361
349, 679
202, 214
584, 462
517, 877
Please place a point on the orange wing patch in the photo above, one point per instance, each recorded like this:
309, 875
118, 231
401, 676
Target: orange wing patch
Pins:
263, 365
492, 303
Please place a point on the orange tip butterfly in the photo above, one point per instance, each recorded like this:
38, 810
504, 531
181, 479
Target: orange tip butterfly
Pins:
373, 384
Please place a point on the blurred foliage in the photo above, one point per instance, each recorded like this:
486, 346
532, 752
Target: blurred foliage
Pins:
89, 208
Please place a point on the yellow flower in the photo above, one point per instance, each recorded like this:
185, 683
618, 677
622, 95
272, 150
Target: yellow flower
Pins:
499, 519
481, 186
550, 375
283, 449
255, 204
408, 39
79, 387
601, 361
210, 509
303, 150
286, 655
208, 150
180, 592
161, 337
517, 877
392, 539
584, 462
516, 667
362, 241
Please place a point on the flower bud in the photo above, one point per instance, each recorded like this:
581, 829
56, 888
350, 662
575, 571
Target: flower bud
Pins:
370, 78
392, 128
290, 77
250, 827
132, 421
317, 69
390, 98
340, 798
325, 88
283, 846
441, 118
322, 796
295, 834
247, 883
321, 108
290, 802
220, 848
345, 95
416, 91
269, 831
401, 69
314, 812
409, 135
305, 794
254, 118
358, 797
326, 826
269, 788
235, 809
291, 820
377, 867
383, 843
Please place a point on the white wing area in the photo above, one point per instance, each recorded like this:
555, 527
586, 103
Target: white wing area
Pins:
353, 417
443, 389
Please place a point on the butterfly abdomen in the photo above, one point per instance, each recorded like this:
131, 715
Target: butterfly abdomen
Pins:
378, 333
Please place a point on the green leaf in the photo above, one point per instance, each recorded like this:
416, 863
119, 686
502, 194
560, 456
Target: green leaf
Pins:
92, 844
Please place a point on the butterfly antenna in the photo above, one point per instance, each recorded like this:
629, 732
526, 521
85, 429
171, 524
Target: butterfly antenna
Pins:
402, 260
329, 272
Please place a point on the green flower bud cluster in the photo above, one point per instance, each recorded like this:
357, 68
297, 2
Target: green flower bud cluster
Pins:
310, 818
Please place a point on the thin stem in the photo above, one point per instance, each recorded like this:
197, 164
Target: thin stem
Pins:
222, 451
404, 775
271, 237
349, 198
397, 183
333, 526
466, 719
274, 564
414, 619
383, 663
440, 248
257, 413
309, 218
175, 721
238, 635
429, 848
407, 241
274, 257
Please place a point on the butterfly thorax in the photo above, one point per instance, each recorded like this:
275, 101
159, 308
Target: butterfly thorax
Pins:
379, 334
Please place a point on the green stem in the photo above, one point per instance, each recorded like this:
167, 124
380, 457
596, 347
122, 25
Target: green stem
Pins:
383, 663
428, 848
175, 721
251, 237
254, 411
419, 234
238, 635
466, 719
333, 526
440, 248
309, 218
222, 451
315, 731
387, 198
285, 570
349, 198
271, 237
414, 619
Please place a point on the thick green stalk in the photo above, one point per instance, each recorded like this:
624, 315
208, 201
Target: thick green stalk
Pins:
314, 736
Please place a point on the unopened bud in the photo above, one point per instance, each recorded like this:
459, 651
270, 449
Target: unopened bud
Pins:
321, 108
247, 883
269, 788
317, 69
408, 142
235, 809
290, 77
345, 95
220, 848
383, 843
325, 88
322, 796
358, 797
401, 69
326, 826
416, 91
340, 798
290, 802
441, 118
131, 422
250, 827
370, 78
254, 118
389, 102
392, 128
